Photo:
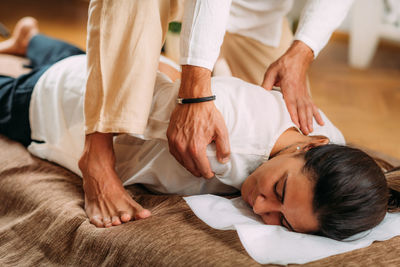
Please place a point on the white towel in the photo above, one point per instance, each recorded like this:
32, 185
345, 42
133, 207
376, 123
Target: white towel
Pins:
275, 244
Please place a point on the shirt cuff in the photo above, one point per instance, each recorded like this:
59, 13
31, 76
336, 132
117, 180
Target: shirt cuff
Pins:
197, 62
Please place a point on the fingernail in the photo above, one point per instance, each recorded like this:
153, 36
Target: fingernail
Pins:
224, 160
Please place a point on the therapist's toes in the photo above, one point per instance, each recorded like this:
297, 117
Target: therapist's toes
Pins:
107, 222
97, 221
136, 214
125, 217
116, 221
142, 214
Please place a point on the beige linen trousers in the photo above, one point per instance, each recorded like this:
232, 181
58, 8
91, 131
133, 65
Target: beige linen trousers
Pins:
123, 48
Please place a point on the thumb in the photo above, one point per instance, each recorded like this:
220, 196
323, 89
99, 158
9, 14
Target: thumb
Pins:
269, 79
222, 145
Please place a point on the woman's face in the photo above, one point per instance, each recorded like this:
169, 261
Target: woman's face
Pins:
281, 194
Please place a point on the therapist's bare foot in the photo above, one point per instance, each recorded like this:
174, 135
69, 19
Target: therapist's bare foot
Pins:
107, 203
25, 29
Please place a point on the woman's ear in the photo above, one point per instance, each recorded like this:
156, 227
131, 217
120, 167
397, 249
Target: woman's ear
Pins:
316, 140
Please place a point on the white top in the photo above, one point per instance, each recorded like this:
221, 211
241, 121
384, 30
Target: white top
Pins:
205, 23
254, 117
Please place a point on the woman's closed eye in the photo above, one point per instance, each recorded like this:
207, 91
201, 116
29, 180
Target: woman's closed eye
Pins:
279, 190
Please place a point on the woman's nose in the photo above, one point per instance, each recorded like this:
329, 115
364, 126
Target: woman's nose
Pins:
264, 205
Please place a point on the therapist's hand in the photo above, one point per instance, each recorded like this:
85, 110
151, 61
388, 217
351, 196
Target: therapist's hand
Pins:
193, 126
289, 72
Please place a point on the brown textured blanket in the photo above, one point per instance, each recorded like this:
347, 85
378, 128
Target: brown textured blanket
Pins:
42, 222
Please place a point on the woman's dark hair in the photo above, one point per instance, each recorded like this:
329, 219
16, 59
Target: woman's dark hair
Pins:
351, 193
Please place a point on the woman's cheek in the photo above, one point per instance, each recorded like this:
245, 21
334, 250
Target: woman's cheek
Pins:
247, 186
245, 189
271, 218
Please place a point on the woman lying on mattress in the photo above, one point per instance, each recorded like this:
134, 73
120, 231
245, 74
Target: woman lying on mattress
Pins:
310, 184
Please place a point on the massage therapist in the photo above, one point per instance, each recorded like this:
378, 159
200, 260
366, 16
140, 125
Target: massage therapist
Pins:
253, 36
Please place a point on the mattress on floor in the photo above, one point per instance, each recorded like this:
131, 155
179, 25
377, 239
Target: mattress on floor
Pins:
42, 222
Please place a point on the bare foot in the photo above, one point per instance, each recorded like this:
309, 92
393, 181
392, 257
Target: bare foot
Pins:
25, 29
107, 203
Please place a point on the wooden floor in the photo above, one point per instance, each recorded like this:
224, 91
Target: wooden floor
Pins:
63, 19
364, 104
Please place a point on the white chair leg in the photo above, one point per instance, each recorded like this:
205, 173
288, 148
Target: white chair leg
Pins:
364, 32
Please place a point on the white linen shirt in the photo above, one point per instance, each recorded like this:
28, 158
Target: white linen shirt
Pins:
205, 23
255, 118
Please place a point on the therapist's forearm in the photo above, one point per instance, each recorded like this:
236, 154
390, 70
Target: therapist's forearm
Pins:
196, 82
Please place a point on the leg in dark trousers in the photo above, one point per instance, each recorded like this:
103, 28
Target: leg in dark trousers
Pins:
15, 93
43, 50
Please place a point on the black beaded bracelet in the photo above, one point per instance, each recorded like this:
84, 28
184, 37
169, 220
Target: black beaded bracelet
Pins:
195, 100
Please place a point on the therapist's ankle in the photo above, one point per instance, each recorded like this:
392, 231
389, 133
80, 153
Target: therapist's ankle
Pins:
98, 154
